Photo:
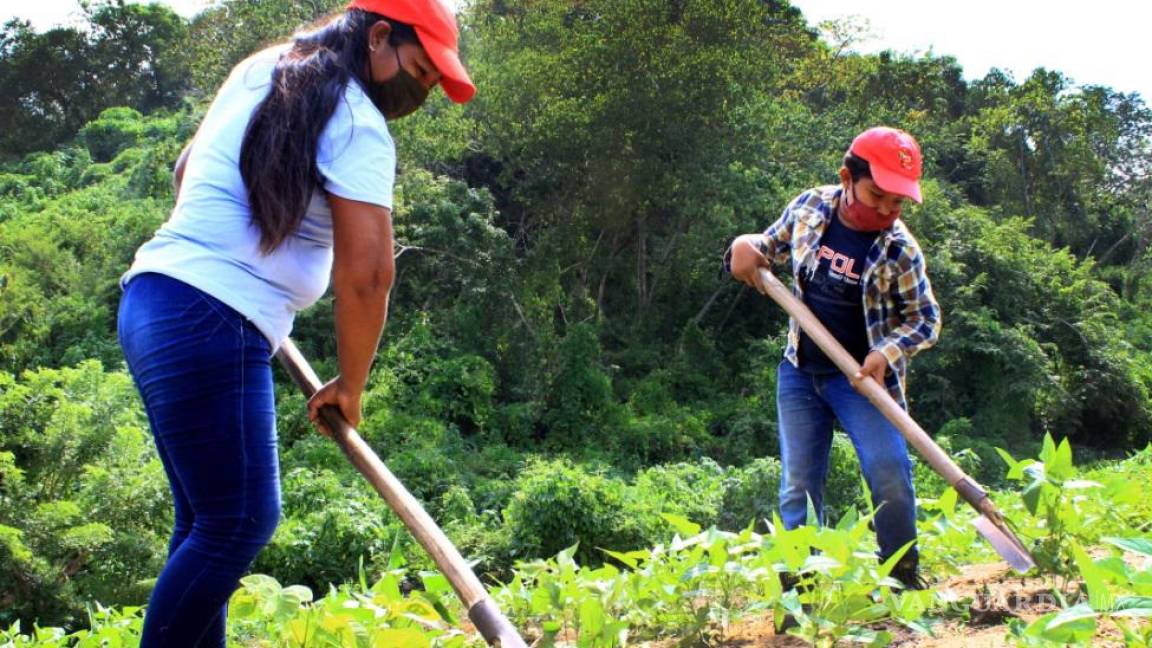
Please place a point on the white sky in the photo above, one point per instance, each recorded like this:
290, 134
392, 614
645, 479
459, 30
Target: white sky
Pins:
50, 13
1096, 42
1099, 42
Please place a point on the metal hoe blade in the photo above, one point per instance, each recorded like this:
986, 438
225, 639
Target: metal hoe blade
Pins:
1005, 543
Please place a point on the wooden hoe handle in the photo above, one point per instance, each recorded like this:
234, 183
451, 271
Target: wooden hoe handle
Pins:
482, 610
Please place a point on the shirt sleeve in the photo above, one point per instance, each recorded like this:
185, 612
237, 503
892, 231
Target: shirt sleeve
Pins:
356, 156
776, 241
919, 312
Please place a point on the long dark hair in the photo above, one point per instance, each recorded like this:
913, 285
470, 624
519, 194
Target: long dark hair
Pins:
278, 154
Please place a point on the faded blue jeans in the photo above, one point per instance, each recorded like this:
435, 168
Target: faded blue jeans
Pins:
205, 375
807, 406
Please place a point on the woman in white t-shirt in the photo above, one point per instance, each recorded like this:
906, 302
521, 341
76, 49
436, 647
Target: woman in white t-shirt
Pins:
287, 182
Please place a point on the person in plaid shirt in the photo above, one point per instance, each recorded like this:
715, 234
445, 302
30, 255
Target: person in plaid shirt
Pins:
856, 265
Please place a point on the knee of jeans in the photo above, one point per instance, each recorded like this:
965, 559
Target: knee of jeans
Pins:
800, 491
242, 532
803, 478
893, 486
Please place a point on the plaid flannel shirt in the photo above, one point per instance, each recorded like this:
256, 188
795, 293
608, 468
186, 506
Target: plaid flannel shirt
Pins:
900, 310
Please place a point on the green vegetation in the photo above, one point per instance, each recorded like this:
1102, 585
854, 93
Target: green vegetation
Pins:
565, 382
701, 582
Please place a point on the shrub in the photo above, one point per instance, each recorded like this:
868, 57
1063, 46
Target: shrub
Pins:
691, 490
557, 505
752, 494
331, 522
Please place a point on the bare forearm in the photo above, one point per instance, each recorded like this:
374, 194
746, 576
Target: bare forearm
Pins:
360, 315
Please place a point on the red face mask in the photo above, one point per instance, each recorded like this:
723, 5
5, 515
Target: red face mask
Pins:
865, 218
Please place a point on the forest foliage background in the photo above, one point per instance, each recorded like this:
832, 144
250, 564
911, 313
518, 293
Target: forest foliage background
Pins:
564, 361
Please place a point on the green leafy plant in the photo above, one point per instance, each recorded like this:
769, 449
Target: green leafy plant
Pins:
1059, 502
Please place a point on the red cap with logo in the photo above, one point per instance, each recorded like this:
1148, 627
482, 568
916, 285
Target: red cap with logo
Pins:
894, 157
435, 25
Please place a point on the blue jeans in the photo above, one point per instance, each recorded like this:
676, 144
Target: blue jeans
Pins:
807, 406
205, 375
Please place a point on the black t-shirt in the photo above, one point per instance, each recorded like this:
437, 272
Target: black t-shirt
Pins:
834, 293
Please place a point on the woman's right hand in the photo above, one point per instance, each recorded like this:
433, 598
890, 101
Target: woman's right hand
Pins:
340, 395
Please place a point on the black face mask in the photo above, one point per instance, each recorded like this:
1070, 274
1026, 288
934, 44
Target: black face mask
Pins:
399, 96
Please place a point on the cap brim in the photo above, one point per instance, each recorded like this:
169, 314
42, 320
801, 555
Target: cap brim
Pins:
895, 183
453, 77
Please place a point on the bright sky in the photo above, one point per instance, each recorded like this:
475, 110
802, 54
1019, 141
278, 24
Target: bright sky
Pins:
45, 14
1098, 42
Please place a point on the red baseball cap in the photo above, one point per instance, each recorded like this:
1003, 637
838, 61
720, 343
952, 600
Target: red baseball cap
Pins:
894, 157
435, 25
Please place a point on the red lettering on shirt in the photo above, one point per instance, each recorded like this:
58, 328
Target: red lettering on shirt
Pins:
841, 264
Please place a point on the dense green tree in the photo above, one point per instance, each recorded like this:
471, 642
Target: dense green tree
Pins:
83, 503
1073, 159
55, 82
616, 124
225, 34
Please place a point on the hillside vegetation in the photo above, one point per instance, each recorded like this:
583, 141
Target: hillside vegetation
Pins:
566, 381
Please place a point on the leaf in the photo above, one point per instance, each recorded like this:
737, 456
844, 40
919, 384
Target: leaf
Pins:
1099, 597
820, 563
242, 606
551, 627
386, 590
437, 602
1031, 496
683, 525
565, 558
1014, 469
1141, 546
1048, 448
299, 593
812, 518
630, 559
1078, 484
1060, 465
888, 565
1132, 606
260, 582
947, 502
848, 520
1071, 616
591, 617
400, 638
435, 582
718, 554
297, 631
396, 559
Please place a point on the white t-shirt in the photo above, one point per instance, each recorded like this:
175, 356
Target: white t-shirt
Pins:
210, 242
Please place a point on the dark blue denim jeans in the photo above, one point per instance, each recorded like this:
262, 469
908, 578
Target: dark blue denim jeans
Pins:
808, 405
205, 375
